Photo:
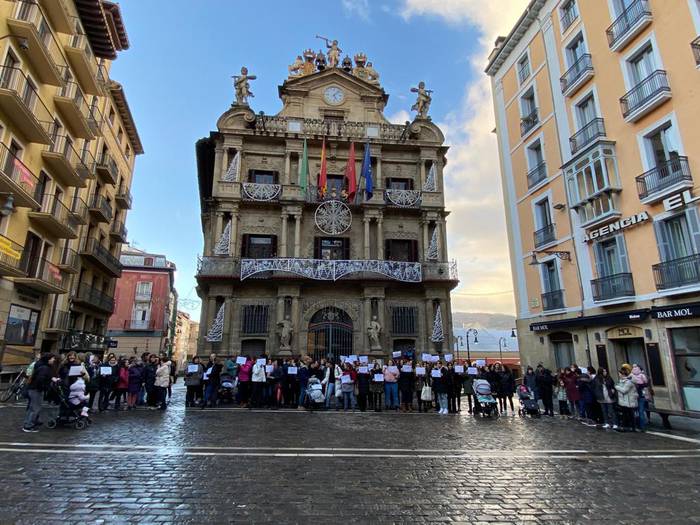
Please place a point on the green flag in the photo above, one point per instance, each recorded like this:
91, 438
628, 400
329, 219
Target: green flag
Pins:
304, 169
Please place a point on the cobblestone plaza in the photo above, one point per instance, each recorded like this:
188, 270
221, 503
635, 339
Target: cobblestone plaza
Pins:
233, 465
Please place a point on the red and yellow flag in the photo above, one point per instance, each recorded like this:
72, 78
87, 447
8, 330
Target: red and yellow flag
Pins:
323, 176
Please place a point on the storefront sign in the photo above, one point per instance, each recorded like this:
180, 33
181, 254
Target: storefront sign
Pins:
616, 226
679, 200
679, 311
620, 318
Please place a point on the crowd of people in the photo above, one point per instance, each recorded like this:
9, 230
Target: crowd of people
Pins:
90, 383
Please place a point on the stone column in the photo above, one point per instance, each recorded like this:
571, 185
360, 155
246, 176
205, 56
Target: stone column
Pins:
426, 237
441, 225
219, 164
219, 226
367, 318
296, 323
283, 236
422, 173
287, 168
429, 325
297, 235
208, 234
380, 239
233, 241
365, 222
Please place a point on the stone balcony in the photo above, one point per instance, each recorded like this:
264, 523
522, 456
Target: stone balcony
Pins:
298, 127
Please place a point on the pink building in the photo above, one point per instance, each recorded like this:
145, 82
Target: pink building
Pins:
145, 304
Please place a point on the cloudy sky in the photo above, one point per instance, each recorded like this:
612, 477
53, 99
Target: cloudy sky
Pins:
177, 79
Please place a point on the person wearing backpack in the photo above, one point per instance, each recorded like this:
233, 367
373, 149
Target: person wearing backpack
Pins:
43, 373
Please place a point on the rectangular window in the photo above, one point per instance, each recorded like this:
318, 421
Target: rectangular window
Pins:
550, 277
259, 246
263, 176
611, 256
686, 350
523, 69
404, 320
335, 185
569, 13
674, 236
254, 319
576, 49
527, 103
642, 65
543, 216
586, 111
394, 183
534, 155
591, 184
656, 369
405, 250
332, 248
663, 146
143, 290
22, 325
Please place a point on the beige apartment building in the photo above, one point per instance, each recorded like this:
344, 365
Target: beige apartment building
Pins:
289, 269
67, 147
598, 125
186, 333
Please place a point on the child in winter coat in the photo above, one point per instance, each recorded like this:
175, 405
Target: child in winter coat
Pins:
77, 396
563, 400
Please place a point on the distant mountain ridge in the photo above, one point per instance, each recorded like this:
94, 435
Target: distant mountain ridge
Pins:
483, 320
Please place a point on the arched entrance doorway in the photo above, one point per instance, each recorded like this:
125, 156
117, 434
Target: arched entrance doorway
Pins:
330, 334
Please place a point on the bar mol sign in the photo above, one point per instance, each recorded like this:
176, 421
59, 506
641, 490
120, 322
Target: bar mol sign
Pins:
616, 226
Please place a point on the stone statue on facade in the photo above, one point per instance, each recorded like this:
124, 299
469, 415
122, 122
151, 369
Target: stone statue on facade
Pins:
372, 75
285, 332
333, 51
320, 61
423, 100
373, 331
297, 68
360, 71
242, 86
309, 58
347, 65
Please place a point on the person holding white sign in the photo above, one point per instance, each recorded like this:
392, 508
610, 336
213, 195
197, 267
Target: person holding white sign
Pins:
347, 386
258, 379
407, 382
376, 387
438, 376
108, 378
391, 387
424, 393
193, 382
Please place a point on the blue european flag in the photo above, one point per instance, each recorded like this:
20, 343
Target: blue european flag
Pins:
367, 173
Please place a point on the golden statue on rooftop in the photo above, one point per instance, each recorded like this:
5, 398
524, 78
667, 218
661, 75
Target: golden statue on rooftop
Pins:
423, 100
334, 51
242, 86
296, 69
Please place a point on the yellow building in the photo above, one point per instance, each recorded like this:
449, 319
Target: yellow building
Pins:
67, 147
598, 130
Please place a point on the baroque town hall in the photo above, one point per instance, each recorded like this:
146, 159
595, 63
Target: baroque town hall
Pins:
324, 225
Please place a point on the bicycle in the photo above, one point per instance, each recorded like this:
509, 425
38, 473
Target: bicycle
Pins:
15, 388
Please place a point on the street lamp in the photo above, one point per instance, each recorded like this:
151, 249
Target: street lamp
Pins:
502, 343
459, 342
476, 341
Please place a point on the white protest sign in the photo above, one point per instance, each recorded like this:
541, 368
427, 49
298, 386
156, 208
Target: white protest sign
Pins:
393, 369
345, 379
448, 358
379, 378
192, 369
75, 371
407, 368
364, 359
352, 358
240, 360
261, 361
435, 358
420, 370
436, 373
480, 362
472, 370
395, 354
459, 369
292, 370
268, 369
425, 357
364, 370
106, 370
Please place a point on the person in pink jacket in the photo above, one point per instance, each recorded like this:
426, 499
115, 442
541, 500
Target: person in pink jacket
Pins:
391, 386
244, 382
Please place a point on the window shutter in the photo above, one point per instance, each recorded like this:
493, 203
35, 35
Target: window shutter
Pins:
317, 247
414, 251
410, 184
387, 250
599, 261
662, 240
622, 253
244, 245
346, 249
694, 226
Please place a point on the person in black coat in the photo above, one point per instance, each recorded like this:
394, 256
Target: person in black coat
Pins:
149, 379
363, 389
506, 388
545, 386
39, 382
407, 383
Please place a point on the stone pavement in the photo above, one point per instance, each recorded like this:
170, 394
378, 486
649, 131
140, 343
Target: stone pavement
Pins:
232, 465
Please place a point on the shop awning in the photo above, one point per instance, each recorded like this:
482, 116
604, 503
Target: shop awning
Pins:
629, 316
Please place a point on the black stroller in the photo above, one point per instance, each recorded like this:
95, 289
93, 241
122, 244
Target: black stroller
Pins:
68, 414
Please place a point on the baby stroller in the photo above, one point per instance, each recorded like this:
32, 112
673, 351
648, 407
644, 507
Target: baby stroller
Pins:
314, 394
484, 402
227, 388
528, 404
68, 413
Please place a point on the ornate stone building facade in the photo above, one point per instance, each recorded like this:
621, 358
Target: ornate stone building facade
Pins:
294, 266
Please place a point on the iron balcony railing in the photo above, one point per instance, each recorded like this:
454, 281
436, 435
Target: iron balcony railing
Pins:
72, 91
18, 174
28, 11
139, 324
579, 68
627, 20
52, 205
80, 41
119, 230
544, 235
537, 174
524, 71
93, 247
14, 79
695, 46
62, 144
553, 300
98, 202
10, 254
41, 269
569, 15
94, 297
69, 260
528, 122
108, 163
587, 134
678, 272
123, 197
613, 287
646, 90
261, 192
403, 198
663, 176
79, 208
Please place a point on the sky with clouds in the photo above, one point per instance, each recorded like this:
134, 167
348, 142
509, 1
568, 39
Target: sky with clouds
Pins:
177, 77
